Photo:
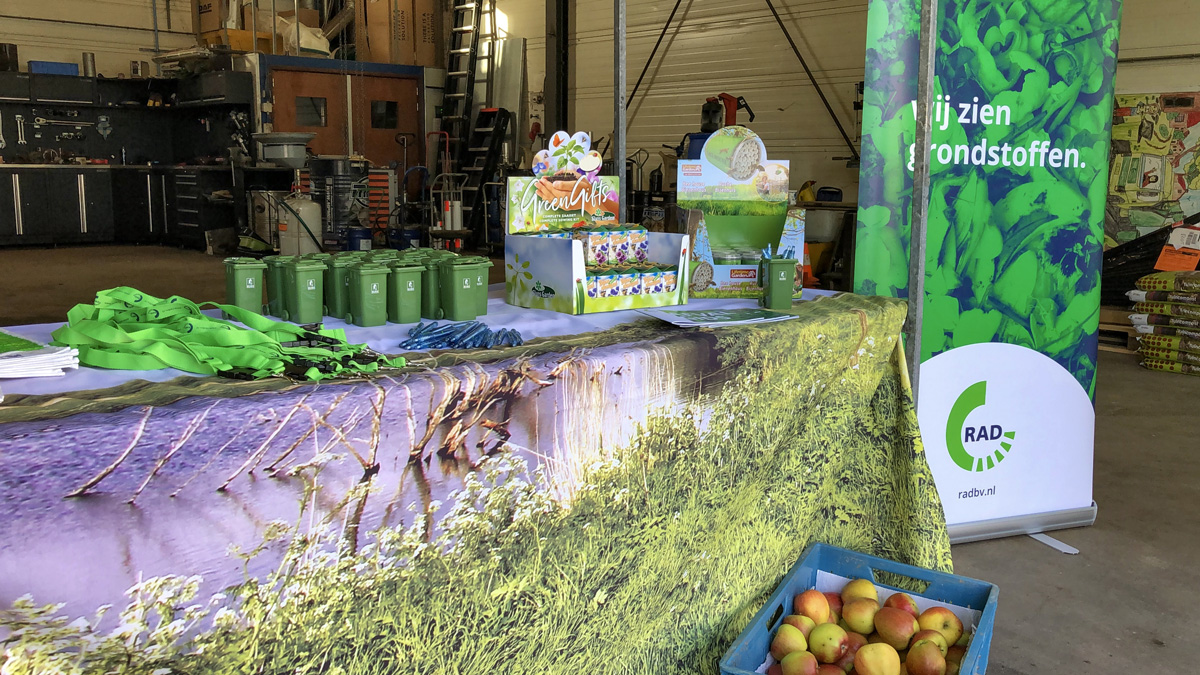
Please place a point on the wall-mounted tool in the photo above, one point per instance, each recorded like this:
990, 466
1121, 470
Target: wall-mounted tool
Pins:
2, 143
42, 121
104, 126
20, 129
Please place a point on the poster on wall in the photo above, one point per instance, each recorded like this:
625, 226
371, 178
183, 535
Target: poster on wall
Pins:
741, 200
1154, 181
1019, 173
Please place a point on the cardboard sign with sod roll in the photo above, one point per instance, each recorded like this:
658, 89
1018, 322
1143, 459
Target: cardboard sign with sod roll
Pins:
1022, 111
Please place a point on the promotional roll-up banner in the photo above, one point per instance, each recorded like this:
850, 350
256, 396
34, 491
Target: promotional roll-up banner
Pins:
1019, 161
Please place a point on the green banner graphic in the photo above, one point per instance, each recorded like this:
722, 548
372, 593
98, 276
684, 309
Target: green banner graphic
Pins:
1022, 113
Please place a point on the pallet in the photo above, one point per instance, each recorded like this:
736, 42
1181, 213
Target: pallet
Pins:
1118, 338
1117, 316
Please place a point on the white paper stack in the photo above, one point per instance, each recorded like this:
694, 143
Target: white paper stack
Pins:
44, 362
697, 318
20, 358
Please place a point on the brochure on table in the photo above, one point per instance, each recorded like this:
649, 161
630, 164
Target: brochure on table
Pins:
566, 217
742, 200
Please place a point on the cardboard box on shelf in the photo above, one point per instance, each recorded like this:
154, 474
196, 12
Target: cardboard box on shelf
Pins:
265, 21
308, 17
427, 49
385, 30
238, 40
214, 15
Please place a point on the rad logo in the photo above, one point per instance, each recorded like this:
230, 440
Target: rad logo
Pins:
980, 445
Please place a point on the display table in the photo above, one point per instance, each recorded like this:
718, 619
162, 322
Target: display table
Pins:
617, 500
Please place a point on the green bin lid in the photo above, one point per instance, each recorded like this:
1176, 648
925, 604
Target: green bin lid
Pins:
247, 263
302, 265
370, 268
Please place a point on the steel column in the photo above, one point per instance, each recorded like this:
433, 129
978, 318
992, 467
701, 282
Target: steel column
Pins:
920, 193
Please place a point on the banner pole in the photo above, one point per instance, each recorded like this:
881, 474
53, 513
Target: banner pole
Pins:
920, 193
619, 111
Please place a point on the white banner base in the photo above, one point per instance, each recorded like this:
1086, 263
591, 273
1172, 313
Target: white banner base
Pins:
1022, 525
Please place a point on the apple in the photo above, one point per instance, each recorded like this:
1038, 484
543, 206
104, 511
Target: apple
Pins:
774, 669
788, 639
856, 642
829, 642
903, 601
943, 621
812, 603
834, 617
799, 663
802, 622
952, 668
955, 654
931, 636
835, 601
874, 638
925, 659
859, 588
896, 627
830, 669
859, 615
877, 659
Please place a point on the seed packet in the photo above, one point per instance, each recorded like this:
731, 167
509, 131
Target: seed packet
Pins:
652, 280
599, 250
639, 244
631, 282
670, 279
608, 285
619, 243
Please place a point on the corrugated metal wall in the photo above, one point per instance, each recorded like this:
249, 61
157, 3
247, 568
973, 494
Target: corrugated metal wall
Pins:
735, 46
716, 46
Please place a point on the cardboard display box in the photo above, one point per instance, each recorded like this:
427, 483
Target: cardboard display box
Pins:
546, 267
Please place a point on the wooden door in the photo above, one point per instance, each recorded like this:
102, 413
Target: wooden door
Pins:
314, 102
383, 107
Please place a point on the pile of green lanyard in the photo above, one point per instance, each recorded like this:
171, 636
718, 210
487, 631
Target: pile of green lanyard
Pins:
126, 329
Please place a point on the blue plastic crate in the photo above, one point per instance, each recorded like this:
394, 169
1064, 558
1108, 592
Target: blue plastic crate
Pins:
750, 649
54, 68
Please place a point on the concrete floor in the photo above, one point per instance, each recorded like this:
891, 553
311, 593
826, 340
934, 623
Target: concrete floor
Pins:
1124, 604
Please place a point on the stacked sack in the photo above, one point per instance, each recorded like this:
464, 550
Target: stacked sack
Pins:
1167, 317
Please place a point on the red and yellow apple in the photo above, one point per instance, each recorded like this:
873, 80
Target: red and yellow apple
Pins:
877, 659
802, 622
859, 615
799, 663
830, 669
896, 627
931, 636
903, 601
835, 601
812, 603
829, 642
859, 588
955, 654
925, 659
788, 639
855, 642
943, 621
774, 669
